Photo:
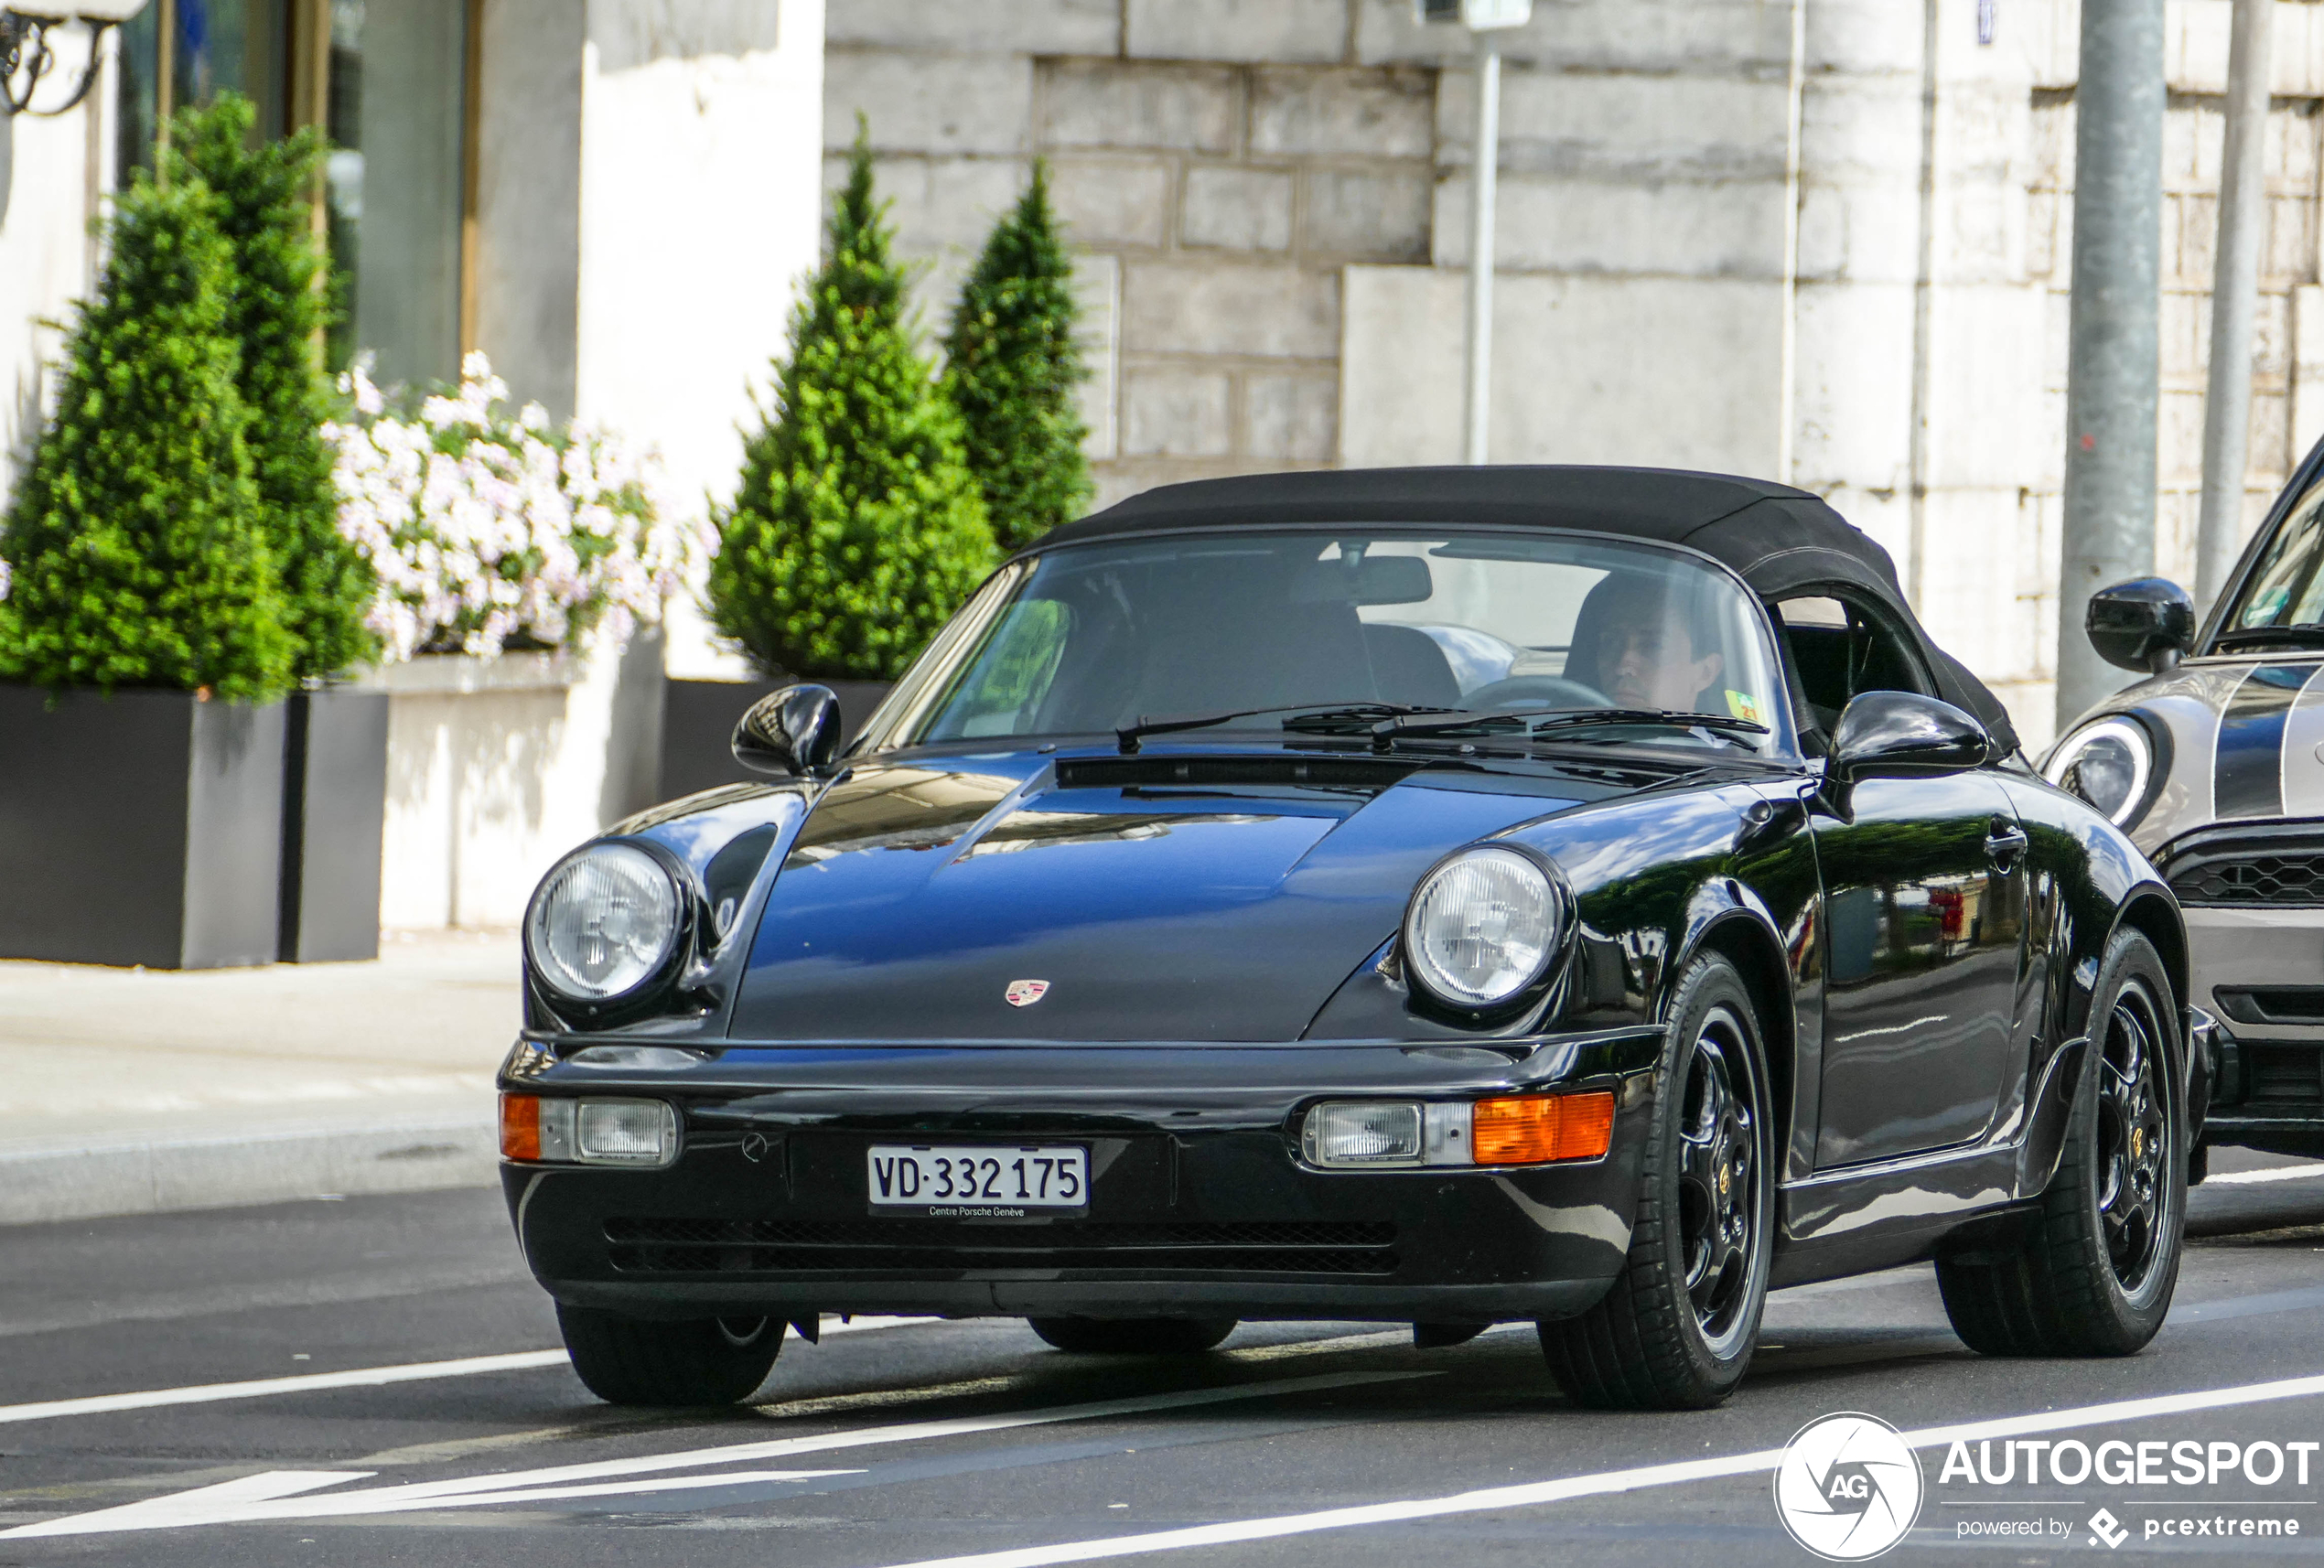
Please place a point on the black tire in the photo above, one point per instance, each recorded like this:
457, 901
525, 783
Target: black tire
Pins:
1134, 1335
690, 1364
1676, 1331
2095, 1274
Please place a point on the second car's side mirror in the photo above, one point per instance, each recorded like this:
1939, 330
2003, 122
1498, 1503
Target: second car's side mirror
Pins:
2148, 625
792, 732
1886, 734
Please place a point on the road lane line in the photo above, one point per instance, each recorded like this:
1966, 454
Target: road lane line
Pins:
2271, 1173
859, 1325
1533, 1493
182, 1509
2245, 1305
262, 1388
361, 1377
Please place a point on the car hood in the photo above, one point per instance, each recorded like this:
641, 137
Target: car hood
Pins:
914, 896
2244, 739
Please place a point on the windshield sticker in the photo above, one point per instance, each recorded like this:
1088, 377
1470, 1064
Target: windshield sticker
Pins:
1742, 705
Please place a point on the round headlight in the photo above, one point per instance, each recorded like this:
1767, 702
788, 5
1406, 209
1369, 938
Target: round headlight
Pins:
1482, 927
2107, 764
603, 923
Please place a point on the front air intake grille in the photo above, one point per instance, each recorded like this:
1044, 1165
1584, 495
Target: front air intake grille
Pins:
2280, 1077
918, 1246
1232, 772
2279, 879
2278, 866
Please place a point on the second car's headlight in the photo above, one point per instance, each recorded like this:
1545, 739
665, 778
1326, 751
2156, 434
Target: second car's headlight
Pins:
1482, 927
603, 923
2109, 763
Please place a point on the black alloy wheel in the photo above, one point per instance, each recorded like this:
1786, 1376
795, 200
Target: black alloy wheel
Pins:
690, 1364
1676, 1329
2134, 1140
2095, 1272
1134, 1335
1718, 1203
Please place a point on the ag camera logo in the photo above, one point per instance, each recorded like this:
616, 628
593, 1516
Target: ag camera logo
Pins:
1848, 1488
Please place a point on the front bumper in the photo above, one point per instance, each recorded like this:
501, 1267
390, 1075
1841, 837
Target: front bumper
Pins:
2260, 972
1199, 1205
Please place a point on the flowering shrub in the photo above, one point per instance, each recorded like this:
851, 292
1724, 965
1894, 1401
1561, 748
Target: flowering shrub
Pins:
493, 534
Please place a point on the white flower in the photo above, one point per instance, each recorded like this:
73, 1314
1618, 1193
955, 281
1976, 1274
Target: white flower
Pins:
484, 531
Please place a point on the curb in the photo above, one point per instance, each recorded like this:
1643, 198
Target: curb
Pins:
160, 1175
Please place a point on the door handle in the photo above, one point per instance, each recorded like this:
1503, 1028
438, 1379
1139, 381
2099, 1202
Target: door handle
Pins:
2004, 844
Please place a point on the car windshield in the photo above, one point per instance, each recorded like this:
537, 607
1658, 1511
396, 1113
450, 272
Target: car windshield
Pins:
1094, 637
2286, 588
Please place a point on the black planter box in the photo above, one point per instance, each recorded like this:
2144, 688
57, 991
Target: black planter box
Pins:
142, 828
334, 811
698, 726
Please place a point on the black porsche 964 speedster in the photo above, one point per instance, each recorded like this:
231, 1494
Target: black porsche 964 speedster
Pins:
1577, 895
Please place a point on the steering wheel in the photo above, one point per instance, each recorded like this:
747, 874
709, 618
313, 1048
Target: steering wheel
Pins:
1535, 691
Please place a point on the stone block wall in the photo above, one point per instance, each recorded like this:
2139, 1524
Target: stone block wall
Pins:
1220, 164
1273, 197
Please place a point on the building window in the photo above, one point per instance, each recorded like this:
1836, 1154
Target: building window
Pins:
397, 113
243, 44
388, 79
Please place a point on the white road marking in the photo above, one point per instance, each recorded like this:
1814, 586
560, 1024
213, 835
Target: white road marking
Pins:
1533, 1493
260, 1388
2272, 1172
361, 1378
207, 1506
857, 1326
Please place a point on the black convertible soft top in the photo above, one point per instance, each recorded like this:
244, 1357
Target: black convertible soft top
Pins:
1781, 541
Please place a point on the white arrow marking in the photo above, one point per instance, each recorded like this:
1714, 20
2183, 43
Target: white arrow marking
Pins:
206, 1507
361, 1377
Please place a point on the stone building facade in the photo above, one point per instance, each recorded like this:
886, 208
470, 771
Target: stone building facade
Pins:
1827, 240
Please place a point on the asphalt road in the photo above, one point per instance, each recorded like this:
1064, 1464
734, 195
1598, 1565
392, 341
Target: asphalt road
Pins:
908, 1443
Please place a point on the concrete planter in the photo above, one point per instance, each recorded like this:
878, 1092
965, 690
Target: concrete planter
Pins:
699, 722
334, 802
142, 828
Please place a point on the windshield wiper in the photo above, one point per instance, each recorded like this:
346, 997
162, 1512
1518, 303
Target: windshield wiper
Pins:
1385, 733
2308, 634
1353, 713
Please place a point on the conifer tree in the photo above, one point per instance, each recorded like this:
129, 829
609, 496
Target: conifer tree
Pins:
1012, 365
136, 553
856, 528
277, 313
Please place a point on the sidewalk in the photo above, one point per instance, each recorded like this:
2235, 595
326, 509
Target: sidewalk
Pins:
129, 1091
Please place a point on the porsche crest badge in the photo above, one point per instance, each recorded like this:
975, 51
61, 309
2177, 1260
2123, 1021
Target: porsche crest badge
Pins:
1025, 992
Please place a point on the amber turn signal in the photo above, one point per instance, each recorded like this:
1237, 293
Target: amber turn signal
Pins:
1536, 1129
519, 1126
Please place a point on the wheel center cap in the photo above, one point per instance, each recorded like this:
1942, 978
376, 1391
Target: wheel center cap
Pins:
2137, 1143
1726, 1178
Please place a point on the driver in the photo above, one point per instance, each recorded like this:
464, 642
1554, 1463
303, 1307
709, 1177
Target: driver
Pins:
1647, 654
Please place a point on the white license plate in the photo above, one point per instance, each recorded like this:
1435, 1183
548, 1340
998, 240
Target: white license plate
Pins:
946, 1181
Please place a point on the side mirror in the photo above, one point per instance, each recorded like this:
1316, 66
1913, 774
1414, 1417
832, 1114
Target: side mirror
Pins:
2148, 625
792, 732
1888, 735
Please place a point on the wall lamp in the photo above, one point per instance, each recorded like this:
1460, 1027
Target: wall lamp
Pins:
26, 57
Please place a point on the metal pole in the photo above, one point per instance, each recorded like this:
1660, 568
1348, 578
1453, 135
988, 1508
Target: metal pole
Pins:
165, 88
1483, 176
1788, 368
2243, 228
2113, 350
